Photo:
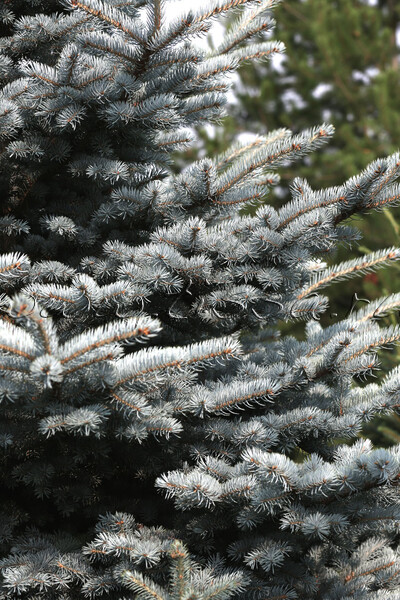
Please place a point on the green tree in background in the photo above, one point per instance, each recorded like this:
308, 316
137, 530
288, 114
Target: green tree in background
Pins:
342, 65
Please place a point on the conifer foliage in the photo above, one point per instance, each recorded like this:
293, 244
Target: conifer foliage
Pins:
152, 418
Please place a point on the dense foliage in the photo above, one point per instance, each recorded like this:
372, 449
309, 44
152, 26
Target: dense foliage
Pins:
341, 63
152, 417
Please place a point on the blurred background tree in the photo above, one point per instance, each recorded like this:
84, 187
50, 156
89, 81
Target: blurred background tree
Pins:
341, 65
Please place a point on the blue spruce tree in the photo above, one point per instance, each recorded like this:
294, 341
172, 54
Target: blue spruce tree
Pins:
160, 439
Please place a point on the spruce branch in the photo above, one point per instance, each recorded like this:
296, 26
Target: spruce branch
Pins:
142, 586
156, 14
220, 6
133, 329
348, 268
273, 155
253, 21
108, 14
